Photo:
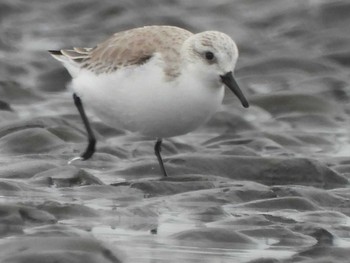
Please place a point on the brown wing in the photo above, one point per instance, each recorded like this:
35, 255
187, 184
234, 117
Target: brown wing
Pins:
132, 47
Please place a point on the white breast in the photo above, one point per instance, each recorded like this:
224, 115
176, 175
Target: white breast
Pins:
140, 100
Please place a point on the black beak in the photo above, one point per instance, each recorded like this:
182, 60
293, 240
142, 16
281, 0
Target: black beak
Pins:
231, 83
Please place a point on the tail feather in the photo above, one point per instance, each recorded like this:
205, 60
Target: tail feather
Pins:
72, 54
55, 52
70, 58
82, 50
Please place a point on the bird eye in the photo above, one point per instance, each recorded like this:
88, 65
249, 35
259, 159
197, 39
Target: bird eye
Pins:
209, 55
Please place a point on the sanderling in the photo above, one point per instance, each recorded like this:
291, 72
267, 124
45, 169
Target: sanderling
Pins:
159, 81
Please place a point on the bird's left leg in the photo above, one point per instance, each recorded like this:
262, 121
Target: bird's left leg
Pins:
157, 150
90, 149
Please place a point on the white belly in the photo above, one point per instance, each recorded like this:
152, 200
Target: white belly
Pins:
139, 100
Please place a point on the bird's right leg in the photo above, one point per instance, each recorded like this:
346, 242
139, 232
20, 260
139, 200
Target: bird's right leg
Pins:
90, 149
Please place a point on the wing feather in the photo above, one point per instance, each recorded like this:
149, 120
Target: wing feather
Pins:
131, 47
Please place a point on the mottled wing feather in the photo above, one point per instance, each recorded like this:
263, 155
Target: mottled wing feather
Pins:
133, 47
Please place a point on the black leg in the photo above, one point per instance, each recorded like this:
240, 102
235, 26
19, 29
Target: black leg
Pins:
157, 150
90, 149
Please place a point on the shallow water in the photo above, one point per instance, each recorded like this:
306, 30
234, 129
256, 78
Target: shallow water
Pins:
154, 249
264, 184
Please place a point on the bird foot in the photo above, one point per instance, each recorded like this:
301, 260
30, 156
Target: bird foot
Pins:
79, 158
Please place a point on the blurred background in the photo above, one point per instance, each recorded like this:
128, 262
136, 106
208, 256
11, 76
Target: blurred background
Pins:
284, 42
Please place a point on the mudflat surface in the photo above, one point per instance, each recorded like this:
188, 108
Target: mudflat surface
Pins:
265, 184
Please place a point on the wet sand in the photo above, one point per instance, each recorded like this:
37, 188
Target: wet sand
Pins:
266, 184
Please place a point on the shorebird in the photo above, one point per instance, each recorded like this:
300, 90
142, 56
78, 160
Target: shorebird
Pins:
158, 81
